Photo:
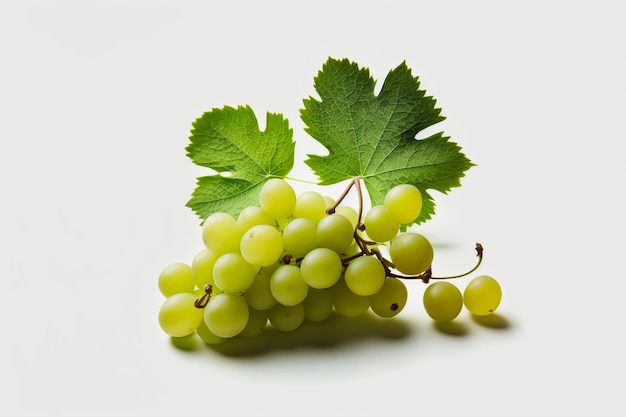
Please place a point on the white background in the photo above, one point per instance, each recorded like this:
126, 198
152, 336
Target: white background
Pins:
96, 103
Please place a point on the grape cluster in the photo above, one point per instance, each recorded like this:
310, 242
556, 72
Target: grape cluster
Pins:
297, 258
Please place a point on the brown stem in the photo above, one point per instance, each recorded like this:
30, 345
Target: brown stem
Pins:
204, 300
428, 274
343, 195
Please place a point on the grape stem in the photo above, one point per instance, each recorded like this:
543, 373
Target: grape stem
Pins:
364, 245
204, 300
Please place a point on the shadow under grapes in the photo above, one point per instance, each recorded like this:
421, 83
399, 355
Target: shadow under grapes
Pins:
332, 333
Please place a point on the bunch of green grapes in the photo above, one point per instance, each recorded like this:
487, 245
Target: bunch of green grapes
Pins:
297, 258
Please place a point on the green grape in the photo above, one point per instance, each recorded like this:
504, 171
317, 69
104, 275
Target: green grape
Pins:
390, 299
232, 273
335, 232
348, 303
175, 278
252, 216
318, 304
262, 245
411, 253
353, 250
257, 321
329, 201
442, 301
349, 213
221, 233
310, 205
277, 198
226, 315
321, 268
269, 270
287, 285
365, 275
202, 267
178, 315
299, 237
381, 225
482, 295
405, 201
207, 335
259, 295
286, 318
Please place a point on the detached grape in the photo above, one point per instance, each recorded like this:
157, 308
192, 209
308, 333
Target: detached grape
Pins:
443, 301
482, 295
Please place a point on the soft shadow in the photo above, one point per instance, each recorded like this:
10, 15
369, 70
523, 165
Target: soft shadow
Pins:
493, 321
452, 328
334, 332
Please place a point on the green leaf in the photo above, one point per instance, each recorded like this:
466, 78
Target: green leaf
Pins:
373, 137
229, 141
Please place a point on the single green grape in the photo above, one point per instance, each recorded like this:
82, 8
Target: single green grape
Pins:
252, 216
287, 285
390, 299
405, 201
482, 295
259, 295
381, 225
411, 253
318, 304
233, 274
299, 237
335, 232
257, 321
365, 275
442, 301
221, 233
348, 303
202, 267
286, 318
310, 205
178, 316
174, 278
329, 201
261, 245
277, 198
226, 314
349, 213
321, 268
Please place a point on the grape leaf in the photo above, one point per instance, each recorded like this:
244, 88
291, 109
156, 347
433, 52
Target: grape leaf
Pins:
229, 141
373, 137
